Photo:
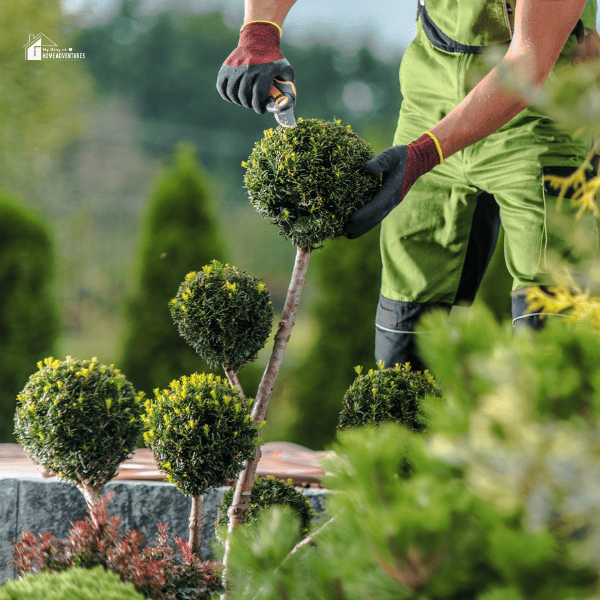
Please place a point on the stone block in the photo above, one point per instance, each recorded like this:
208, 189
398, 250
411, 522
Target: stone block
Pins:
9, 492
40, 506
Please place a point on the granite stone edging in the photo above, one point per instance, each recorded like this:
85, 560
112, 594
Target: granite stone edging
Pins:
40, 506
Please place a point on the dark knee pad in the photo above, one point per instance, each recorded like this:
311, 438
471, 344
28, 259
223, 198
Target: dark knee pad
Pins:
395, 340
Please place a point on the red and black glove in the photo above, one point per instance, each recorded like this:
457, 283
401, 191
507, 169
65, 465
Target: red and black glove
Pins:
401, 167
247, 75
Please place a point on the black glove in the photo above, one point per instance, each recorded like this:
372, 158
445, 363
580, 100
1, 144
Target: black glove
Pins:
392, 163
401, 167
247, 75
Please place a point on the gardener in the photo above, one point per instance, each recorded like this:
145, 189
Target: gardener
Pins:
481, 159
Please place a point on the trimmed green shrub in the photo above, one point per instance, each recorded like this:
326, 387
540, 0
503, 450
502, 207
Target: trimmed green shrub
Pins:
28, 317
181, 234
73, 584
393, 394
309, 179
266, 492
200, 432
79, 419
225, 314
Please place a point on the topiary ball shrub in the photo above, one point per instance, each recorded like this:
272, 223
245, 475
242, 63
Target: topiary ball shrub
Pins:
75, 583
309, 179
393, 394
200, 432
267, 492
79, 419
223, 313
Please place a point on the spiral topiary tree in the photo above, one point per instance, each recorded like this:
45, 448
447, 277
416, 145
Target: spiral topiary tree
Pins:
79, 419
392, 394
200, 432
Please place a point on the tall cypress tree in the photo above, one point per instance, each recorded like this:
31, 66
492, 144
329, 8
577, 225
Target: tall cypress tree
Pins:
180, 235
28, 316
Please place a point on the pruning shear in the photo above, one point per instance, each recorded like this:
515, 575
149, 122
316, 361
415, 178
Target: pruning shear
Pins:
281, 103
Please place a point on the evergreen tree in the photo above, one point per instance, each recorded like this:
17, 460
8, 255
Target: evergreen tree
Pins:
28, 317
180, 235
347, 278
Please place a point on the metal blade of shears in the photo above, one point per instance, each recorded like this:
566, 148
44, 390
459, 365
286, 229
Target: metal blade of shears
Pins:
282, 101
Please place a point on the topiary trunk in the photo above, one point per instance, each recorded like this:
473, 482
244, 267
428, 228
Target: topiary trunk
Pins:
243, 488
196, 520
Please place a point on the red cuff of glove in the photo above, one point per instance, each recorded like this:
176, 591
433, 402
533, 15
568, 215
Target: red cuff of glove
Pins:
259, 44
422, 155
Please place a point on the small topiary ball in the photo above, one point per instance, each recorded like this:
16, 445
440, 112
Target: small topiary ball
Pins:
309, 179
267, 492
200, 432
393, 394
223, 313
79, 419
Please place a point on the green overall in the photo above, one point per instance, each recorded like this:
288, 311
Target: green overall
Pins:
424, 240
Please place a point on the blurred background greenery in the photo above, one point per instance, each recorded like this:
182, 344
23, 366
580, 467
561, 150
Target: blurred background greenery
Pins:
89, 149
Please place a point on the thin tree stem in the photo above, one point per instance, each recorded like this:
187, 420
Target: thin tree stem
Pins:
234, 382
196, 520
243, 489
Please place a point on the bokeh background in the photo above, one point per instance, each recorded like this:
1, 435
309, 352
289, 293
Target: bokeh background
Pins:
121, 172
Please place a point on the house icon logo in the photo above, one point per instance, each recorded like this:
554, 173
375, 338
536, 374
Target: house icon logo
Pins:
36, 45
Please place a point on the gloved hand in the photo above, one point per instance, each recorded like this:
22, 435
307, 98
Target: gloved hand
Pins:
247, 75
401, 167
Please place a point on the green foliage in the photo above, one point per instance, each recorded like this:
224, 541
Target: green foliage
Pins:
225, 314
309, 179
200, 432
73, 584
346, 276
28, 317
268, 492
181, 233
79, 419
499, 504
393, 394
431, 535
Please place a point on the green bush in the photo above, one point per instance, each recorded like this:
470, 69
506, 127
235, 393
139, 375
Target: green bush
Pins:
28, 316
309, 179
200, 432
267, 492
79, 419
181, 234
393, 394
433, 535
73, 584
225, 314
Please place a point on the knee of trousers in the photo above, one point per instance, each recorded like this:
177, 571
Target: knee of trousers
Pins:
395, 337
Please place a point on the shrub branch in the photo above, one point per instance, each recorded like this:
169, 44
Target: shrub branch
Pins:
243, 488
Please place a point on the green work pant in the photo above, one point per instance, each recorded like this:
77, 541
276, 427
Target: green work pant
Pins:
424, 240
